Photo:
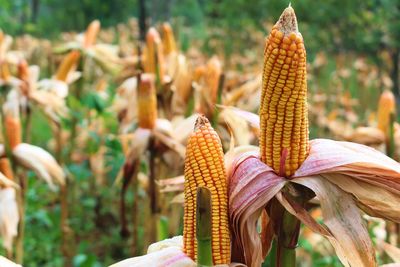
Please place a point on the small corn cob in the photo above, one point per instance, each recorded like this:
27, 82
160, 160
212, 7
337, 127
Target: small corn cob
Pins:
147, 102
5, 168
91, 33
13, 131
154, 59
212, 76
386, 107
284, 142
23, 75
67, 65
168, 39
12, 122
198, 73
208, 78
23, 71
204, 166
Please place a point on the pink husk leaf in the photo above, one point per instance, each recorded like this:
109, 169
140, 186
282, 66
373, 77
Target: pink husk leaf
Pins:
252, 185
359, 161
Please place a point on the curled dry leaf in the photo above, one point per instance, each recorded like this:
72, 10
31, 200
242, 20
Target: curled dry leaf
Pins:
164, 253
41, 162
171, 184
351, 240
392, 251
9, 217
4, 262
366, 136
251, 118
237, 125
182, 127
5, 182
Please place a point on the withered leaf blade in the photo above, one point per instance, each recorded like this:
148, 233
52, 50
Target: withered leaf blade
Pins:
342, 217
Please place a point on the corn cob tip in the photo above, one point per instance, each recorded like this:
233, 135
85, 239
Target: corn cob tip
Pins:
200, 122
153, 35
146, 81
287, 22
91, 33
166, 27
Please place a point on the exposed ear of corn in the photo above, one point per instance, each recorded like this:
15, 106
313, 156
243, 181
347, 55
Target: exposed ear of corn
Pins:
181, 74
23, 71
12, 122
91, 33
204, 166
5, 168
208, 79
68, 63
13, 130
147, 102
386, 107
168, 39
23, 75
284, 142
154, 59
212, 76
41, 162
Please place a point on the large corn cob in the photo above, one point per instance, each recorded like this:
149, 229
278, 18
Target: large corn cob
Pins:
168, 39
147, 102
204, 166
284, 140
386, 107
67, 65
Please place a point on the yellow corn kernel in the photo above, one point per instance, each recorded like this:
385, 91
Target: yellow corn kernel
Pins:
168, 39
386, 107
147, 102
5, 168
91, 33
204, 166
284, 142
13, 130
68, 63
154, 59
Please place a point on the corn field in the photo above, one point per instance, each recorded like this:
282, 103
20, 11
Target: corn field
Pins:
141, 145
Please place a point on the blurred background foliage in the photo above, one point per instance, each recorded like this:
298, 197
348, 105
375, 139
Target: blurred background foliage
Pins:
338, 26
